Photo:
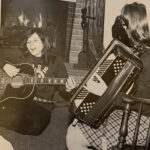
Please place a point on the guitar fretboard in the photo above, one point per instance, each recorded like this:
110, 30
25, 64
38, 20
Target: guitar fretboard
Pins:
35, 80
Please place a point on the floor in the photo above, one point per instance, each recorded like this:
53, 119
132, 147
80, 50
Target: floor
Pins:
53, 138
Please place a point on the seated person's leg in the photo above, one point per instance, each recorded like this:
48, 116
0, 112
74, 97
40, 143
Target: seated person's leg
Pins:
75, 139
36, 119
83, 136
25, 118
5, 145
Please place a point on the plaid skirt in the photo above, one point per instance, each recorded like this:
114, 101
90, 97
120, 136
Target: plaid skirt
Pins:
107, 134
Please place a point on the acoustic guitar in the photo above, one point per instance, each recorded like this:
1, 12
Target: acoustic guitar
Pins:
22, 86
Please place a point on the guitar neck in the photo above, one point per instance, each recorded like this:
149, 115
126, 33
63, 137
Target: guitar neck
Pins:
48, 81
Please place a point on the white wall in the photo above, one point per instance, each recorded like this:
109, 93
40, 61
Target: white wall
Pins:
113, 9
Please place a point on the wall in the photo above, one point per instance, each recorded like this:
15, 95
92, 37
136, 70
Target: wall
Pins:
95, 8
77, 34
70, 21
114, 8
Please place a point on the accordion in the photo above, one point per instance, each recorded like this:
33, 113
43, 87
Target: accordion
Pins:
118, 68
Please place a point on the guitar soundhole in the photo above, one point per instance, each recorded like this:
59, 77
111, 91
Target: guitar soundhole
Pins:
17, 81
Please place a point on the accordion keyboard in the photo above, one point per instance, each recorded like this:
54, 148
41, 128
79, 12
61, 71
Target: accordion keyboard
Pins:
99, 72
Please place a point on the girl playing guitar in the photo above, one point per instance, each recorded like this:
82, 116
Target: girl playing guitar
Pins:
26, 116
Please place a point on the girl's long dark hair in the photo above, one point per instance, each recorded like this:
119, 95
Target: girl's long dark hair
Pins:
47, 52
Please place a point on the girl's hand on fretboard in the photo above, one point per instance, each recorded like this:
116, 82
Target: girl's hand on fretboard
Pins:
70, 84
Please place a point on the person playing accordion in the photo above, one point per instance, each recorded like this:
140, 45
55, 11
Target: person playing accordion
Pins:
131, 28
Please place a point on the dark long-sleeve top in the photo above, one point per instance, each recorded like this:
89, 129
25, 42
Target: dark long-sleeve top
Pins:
143, 81
2, 62
142, 86
55, 68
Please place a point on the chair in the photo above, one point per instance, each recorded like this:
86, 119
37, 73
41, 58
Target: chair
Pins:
131, 100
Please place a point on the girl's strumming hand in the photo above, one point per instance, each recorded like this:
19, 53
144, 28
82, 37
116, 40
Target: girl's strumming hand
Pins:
11, 70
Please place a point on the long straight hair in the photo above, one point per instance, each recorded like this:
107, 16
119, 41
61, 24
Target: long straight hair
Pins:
47, 50
135, 14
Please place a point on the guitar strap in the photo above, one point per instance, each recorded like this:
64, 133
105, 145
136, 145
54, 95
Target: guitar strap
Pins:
42, 100
56, 103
